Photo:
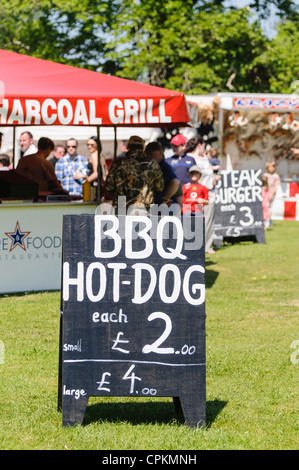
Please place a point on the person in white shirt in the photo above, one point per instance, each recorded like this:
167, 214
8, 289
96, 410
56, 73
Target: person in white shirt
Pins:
26, 144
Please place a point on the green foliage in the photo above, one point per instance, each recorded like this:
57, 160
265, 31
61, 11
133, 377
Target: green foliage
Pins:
64, 32
283, 58
285, 8
196, 54
193, 46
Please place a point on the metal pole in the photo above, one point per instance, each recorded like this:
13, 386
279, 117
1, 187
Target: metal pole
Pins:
14, 147
99, 167
115, 142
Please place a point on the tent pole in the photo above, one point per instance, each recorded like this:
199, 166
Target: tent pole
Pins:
99, 167
115, 141
14, 147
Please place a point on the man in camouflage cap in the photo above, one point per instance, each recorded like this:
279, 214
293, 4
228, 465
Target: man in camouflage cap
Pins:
134, 176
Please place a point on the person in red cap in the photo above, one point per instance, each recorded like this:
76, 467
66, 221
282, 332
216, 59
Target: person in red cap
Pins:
180, 161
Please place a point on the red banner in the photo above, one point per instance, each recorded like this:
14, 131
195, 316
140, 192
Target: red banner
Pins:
106, 112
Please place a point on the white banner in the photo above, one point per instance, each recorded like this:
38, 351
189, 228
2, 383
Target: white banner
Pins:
31, 245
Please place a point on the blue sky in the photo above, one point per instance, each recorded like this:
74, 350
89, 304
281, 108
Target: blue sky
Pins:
269, 25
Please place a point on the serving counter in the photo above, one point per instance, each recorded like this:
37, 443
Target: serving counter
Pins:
31, 244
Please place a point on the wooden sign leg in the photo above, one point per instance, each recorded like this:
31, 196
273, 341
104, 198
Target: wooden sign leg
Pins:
177, 405
193, 400
59, 397
194, 410
73, 410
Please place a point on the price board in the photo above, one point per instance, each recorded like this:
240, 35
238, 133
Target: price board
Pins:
238, 207
133, 312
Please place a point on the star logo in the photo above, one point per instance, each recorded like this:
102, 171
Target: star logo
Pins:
17, 237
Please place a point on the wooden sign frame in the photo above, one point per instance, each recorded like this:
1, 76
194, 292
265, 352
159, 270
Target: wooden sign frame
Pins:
132, 312
238, 207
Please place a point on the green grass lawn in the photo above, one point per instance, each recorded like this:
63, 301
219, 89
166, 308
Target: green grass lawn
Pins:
252, 366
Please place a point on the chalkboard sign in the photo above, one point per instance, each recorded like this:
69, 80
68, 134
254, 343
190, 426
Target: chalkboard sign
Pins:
133, 312
238, 207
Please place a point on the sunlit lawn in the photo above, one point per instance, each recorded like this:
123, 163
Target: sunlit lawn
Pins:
252, 368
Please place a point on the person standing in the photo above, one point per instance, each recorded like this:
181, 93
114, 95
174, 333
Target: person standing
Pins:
91, 175
4, 162
123, 148
66, 167
27, 144
136, 177
273, 183
195, 195
37, 168
58, 153
265, 202
180, 161
154, 150
196, 148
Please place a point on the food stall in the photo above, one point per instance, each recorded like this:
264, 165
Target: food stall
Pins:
252, 128
36, 92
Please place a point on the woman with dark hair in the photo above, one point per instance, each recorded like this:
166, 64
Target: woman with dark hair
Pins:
95, 148
193, 143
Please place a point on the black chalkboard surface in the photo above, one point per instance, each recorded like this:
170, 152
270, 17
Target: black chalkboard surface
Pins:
238, 207
133, 312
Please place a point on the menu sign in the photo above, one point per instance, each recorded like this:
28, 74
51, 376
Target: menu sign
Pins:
133, 312
238, 207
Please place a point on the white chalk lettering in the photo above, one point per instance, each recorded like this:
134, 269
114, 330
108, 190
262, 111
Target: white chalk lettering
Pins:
104, 382
107, 317
131, 377
89, 281
110, 233
145, 280
186, 286
117, 341
146, 229
73, 347
76, 393
148, 249
138, 297
77, 281
232, 195
171, 254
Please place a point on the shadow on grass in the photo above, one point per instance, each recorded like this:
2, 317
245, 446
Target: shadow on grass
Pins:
210, 275
150, 412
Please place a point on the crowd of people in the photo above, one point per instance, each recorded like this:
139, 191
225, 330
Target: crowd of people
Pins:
140, 173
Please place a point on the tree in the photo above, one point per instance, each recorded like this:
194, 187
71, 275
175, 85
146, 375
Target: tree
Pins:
189, 45
282, 56
197, 52
66, 32
285, 9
